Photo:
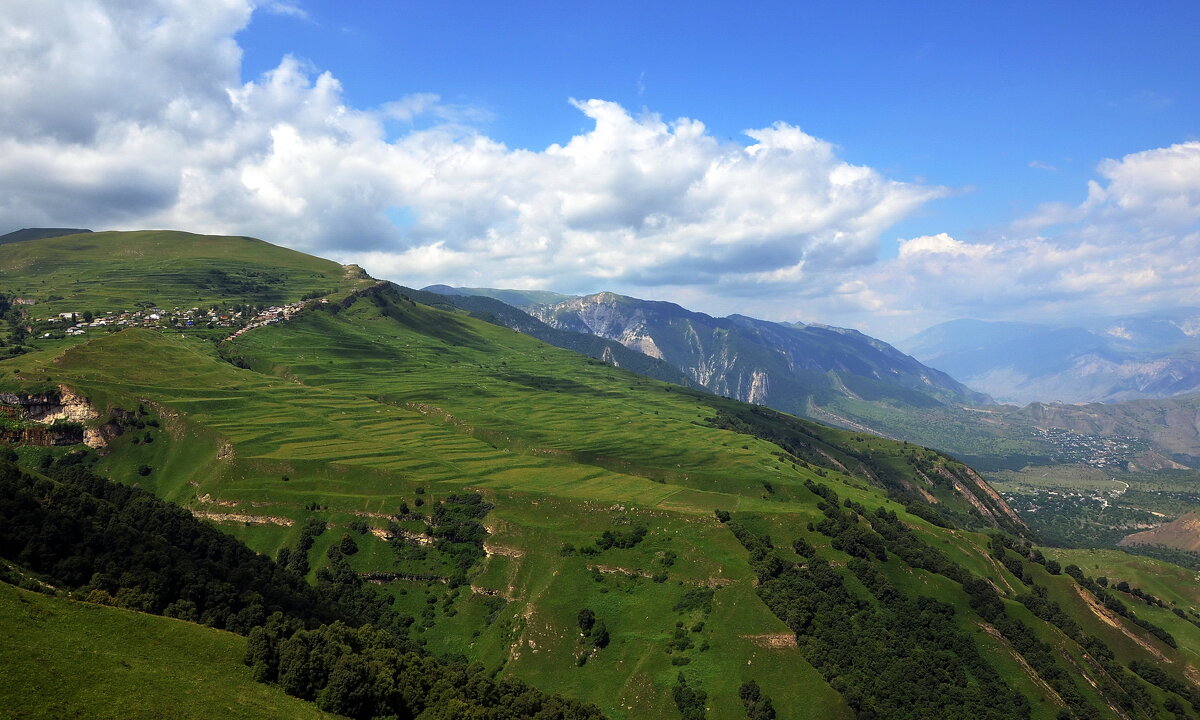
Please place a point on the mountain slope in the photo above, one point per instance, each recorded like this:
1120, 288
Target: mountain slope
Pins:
38, 233
596, 490
810, 370
108, 271
1171, 425
71, 659
497, 312
1110, 360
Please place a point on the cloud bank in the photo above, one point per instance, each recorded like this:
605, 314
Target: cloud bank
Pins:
135, 114
1132, 245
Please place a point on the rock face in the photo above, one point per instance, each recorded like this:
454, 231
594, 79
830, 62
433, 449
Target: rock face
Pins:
788, 367
640, 355
52, 418
47, 408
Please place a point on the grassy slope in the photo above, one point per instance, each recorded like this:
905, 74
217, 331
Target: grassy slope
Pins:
361, 408
562, 463
110, 271
60, 658
355, 455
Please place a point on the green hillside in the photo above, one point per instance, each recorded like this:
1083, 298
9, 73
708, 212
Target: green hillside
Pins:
61, 659
496, 487
496, 312
111, 271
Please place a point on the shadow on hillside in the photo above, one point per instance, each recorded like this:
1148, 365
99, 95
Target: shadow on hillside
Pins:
551, 384
440, 325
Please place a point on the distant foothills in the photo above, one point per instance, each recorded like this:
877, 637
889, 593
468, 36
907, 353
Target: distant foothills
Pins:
1072, 381
1118, 392
241, 481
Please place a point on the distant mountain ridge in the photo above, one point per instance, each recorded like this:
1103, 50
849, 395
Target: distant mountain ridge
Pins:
39, 234
801, 369
493, 310
1103, 360
516, 298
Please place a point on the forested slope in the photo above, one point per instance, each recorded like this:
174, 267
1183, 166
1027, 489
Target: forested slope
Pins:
654, 550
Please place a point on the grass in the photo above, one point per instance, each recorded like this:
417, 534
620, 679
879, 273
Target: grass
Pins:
1069, 478
112, 271
62, 659
354, 454
355, 410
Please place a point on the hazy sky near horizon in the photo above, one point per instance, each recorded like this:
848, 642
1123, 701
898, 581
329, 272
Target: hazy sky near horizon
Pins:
878, 165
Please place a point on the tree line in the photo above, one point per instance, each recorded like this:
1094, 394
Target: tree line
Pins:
340, 643
902, 657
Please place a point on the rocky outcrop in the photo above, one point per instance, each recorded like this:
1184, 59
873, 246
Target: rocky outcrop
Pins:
43, 435
998, 503
982, 496
244, 519
46, 408
61, 417
606, 316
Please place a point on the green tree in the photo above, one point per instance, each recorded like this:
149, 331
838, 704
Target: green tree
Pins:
600, 635
587, 619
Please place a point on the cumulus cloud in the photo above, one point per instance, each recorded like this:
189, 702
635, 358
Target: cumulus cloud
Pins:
134, 113
940, 245
1133, 244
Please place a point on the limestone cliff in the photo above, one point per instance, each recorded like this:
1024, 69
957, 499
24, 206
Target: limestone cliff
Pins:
60, 417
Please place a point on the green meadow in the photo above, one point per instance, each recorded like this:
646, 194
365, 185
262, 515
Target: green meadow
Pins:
371, 409
60, 658
113, 271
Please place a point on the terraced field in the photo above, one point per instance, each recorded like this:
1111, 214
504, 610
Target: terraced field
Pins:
370, 410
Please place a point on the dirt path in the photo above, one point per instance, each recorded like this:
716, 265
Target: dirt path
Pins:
1111, 619
252, 519
774, 641
1037, 679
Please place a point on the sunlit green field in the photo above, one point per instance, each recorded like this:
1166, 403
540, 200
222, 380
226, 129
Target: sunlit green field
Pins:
350, 411
60, 659
110, 271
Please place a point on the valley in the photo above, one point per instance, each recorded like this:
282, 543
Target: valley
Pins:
508, 511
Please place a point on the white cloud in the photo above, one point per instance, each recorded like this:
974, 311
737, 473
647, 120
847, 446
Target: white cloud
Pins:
133, 114
940, 244
282, 7
1132, 245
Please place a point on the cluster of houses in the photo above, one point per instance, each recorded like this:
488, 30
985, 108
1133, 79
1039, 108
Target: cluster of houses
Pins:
275, 314
1091, 450
75, 324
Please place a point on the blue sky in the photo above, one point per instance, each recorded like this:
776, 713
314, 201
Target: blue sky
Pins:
884, 166
966, 95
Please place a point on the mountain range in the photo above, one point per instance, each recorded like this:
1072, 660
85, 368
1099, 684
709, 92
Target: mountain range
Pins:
344, 500
1103, 360
816, 371
848, 379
